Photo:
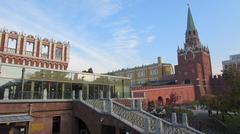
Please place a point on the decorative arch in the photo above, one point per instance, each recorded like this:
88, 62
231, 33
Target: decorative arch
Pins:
160, 101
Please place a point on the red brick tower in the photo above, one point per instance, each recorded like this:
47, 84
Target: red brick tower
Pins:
194, 63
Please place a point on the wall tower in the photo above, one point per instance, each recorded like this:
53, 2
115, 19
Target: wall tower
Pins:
194, 63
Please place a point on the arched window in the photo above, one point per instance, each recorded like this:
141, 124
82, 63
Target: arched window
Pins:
194, 32
160, 101
11, 45
44, 51
29, 48
58, 54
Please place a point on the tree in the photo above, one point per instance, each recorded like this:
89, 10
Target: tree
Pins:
90, 70
231, 78
172, 99
150, 106
211, 101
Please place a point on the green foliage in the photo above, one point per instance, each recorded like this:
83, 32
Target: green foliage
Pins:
90, 70
231, 98
231, 77
228, 100
178, 111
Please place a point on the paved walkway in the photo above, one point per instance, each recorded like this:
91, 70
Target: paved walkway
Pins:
204, 123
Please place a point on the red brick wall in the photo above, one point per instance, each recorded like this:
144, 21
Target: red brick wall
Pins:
185, 92
42, 114
2, 42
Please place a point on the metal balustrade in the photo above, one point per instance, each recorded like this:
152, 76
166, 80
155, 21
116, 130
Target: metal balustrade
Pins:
143, 121
29, 53
11, 50
96, 104
129, 115
44, 55
9, 95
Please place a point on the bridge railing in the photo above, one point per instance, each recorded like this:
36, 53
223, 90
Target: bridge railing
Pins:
140, 119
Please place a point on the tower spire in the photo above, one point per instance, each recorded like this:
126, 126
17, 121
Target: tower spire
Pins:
191, 35
190, 23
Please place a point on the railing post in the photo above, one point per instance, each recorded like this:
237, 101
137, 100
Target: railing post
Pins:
110, 106
185, 120
73, 94
104, 106
45, 94
133, 104
146, 125
159, 126
174, 118
101, 94
80, 95
6, 94
139, 104
109, 94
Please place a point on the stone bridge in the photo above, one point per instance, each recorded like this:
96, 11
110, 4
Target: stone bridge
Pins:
78, 116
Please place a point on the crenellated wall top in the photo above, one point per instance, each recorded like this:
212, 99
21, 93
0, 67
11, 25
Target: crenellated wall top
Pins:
32, 38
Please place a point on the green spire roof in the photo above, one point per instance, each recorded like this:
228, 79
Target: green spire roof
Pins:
190, 23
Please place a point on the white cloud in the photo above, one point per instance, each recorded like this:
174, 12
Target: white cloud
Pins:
150, 39
125, 38
103, 8
85, 52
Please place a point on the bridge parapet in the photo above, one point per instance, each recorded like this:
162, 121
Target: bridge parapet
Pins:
140, 119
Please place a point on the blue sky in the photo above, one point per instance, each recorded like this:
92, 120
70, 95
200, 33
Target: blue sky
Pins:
113, 34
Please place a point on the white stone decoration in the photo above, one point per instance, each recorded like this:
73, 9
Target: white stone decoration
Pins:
6, 94
45, 94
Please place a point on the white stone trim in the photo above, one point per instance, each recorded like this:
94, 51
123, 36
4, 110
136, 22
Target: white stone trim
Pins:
40, 49
50, 50
67, 53
24, 45
35, 48
0, 38
63, 56
6, 60
54, 49
18, 44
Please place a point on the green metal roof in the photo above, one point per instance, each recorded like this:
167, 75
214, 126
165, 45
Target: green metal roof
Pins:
190, 23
